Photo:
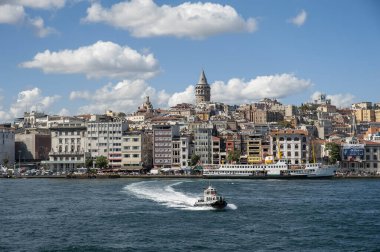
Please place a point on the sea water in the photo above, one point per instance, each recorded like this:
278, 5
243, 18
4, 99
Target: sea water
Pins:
158, 215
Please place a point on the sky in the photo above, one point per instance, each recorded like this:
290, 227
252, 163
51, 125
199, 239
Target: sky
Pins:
70, 57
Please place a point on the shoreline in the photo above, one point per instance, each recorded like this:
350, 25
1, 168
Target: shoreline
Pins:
117, 176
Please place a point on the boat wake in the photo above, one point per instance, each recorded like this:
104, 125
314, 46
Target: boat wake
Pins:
166, 195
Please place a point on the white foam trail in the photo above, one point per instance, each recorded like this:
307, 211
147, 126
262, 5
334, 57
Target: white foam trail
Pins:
165, 195
231, 206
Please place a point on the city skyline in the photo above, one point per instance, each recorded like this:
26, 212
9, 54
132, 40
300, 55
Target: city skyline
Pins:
70, 57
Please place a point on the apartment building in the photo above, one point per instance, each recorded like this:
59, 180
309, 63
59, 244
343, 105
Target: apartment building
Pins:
203, 145
254, 150
162, 145
67, 147
136, 151
292, 145
104, 138
7, 145
180, 151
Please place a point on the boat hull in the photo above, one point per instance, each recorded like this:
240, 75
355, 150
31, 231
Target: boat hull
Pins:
216, 204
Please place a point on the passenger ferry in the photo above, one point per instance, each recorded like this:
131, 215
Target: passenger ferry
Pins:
281, 169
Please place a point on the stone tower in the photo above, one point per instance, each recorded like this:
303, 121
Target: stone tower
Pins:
202, 90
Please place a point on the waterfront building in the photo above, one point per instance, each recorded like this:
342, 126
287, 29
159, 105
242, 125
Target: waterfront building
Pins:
203, 144
180, 151
68, 145
104, 138
253, 149
292, 145
202, 90
7, 145
33, 145
360, 156
162, 145
218, 154
136, 151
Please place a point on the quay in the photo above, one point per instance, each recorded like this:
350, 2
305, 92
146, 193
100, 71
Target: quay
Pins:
145, 176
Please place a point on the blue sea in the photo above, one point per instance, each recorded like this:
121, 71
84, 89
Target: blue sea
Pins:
157, 215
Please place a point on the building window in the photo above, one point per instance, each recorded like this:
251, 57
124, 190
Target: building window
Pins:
374, 165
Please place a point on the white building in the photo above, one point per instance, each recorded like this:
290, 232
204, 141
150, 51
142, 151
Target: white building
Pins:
292, 145
7, 145
67, 147
180, 151
203, 145
104, 138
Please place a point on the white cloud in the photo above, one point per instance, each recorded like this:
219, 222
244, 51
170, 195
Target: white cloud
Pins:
97, 60
124, 96
237, 91
339, 100
187, 96
300, 19
64, 112
11, 14
28, 100
39, 27
36, 4
143, 18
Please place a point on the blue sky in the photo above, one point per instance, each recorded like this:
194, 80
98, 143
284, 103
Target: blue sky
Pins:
71, 56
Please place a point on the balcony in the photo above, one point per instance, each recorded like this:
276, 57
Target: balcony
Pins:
75, 153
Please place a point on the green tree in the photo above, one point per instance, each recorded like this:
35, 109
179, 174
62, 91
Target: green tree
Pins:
194, 159
334, 152
89, 162
101, 162
5, 162
233, 156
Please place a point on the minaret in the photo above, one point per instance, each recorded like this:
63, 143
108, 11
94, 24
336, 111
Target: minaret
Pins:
202, 90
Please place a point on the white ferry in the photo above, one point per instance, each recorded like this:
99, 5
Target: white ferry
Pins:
210, 198
281, 169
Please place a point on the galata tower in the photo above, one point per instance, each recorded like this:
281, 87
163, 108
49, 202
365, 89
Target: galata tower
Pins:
202, 90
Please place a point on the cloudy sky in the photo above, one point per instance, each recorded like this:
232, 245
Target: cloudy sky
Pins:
87, 56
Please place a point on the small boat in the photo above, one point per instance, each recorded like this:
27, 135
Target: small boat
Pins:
211, 199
